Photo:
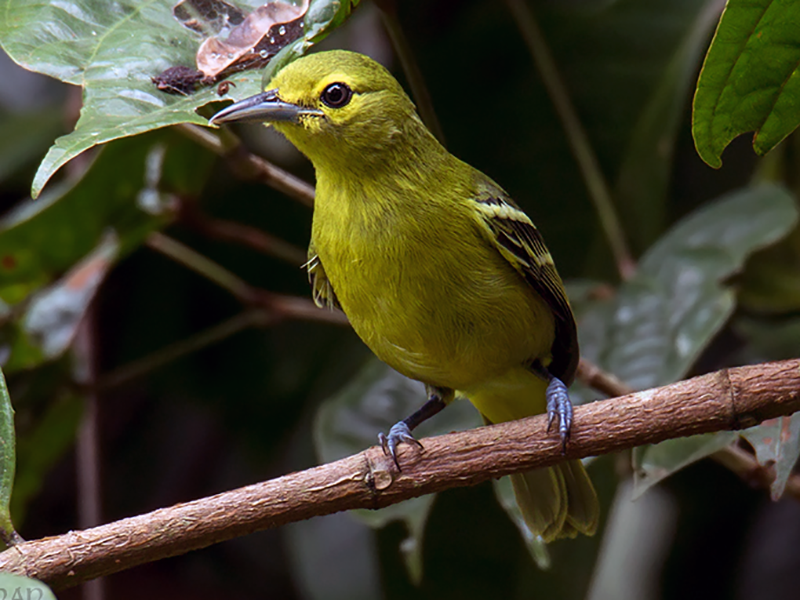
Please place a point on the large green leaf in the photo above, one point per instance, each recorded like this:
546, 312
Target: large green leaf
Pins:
749, 80
112, 50
652, 332
8, 459
643, 179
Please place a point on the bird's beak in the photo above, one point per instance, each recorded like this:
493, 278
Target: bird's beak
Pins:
263, 107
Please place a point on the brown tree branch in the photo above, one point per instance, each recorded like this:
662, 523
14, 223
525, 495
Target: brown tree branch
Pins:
728, 399
740, 461
247, 165
239, 233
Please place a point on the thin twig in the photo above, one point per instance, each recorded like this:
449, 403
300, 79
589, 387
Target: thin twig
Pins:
728, 399
249, 166
167, 354
190, 258
87, 448
231, 231
577, 137
419, 91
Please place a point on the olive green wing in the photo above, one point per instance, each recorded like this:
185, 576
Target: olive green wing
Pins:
321, 288
518, 240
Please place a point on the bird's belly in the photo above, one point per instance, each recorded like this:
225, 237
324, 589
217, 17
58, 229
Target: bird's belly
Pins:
444, 324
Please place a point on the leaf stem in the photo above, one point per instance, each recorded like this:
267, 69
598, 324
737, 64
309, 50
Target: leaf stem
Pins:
576, 136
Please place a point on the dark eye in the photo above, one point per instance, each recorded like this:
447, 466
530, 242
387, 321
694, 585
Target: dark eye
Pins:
336, 95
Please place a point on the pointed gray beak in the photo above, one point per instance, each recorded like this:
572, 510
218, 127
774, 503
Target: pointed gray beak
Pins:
263, 107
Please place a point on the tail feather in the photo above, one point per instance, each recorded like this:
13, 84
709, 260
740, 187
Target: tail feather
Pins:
584, 508
557, 501
541, 496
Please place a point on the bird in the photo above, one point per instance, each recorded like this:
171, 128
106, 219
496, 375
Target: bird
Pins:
439, 271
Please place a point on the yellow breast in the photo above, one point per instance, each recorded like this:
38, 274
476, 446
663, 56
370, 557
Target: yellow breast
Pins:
427, 293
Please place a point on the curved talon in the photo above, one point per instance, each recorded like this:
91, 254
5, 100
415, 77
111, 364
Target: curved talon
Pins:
399, 433
559, 407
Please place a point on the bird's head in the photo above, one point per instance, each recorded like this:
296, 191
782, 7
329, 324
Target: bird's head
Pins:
337, 107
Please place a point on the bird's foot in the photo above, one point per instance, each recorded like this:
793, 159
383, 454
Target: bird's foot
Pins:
398, 434
559, 408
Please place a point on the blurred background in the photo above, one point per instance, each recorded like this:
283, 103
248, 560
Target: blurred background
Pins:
241, 401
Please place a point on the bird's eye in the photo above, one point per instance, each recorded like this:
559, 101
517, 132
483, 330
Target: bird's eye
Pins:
336, 95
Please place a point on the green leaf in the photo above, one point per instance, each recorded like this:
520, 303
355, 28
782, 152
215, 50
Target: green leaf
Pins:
8, 459
25, 137
112, 50
749, 80
17, 587
776, 442
643, 179
652, 332
40, 240
373, 401
658, 461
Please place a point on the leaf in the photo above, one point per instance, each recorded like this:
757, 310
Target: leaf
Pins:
637, 539
25, 137
323, 16
652, 332
334, 558
112, 50
374, 400
17, 587
656, 462
643, 178
54, 314
269, 26
749, 80
8, 459
776, 442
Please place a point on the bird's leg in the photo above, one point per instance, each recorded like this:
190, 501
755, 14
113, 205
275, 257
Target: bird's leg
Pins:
559, 405
400, 432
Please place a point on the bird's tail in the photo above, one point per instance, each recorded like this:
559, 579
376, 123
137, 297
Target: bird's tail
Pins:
557, 501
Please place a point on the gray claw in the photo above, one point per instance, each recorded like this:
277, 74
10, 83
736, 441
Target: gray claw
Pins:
398, 434
559, 407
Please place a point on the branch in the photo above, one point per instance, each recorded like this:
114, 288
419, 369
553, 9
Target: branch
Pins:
728, 399
247, 165
740, 461
239, 233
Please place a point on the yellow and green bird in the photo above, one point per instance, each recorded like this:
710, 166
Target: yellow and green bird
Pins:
439, 271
